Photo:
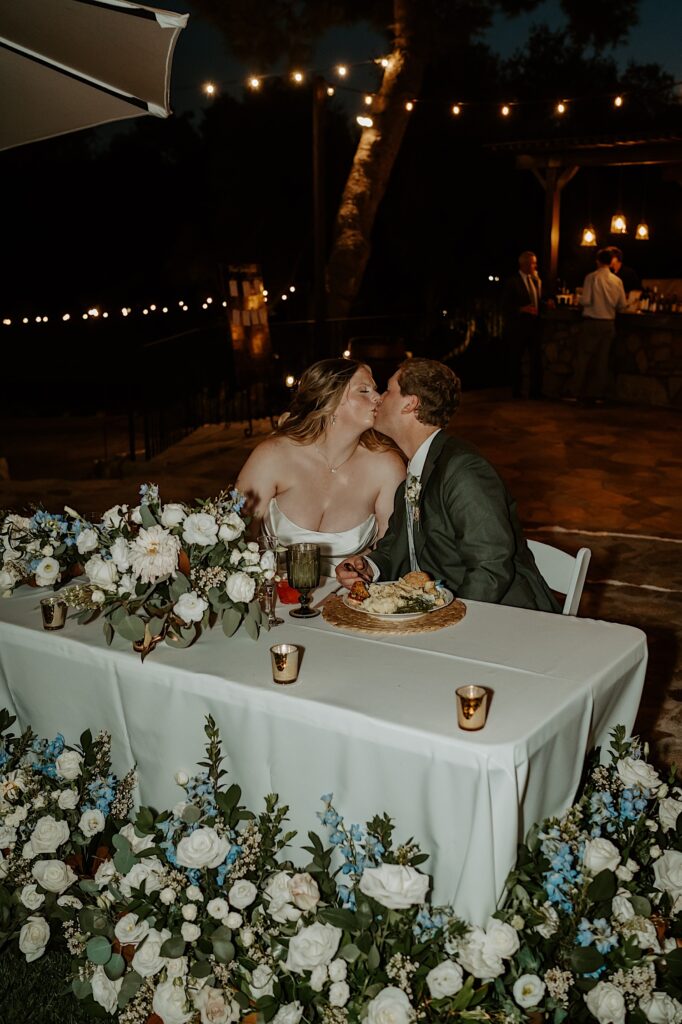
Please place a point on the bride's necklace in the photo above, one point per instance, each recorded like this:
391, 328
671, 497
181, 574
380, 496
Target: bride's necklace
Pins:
330, 467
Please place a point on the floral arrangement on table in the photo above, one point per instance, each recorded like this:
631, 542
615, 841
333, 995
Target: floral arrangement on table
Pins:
154, 572
43, 550
194, 916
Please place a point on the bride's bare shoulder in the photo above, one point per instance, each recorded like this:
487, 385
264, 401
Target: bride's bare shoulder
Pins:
387, 462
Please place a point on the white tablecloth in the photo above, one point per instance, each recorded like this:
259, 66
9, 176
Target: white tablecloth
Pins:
372, 720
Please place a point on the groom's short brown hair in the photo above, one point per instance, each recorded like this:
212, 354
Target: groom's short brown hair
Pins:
435, 385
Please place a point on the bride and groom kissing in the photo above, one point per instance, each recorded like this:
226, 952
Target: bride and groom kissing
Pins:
332, 474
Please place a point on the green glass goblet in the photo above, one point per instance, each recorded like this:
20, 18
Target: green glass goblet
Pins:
303, 574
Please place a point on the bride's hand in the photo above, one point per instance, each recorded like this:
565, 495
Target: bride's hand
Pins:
352, 569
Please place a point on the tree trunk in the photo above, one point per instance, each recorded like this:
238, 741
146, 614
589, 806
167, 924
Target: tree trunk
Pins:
373, 163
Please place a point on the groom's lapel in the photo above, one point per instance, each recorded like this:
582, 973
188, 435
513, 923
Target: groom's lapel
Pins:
422, 525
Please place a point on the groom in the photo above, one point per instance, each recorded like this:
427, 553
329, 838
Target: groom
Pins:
453, 517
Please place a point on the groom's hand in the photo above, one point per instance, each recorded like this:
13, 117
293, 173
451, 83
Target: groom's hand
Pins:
352, 569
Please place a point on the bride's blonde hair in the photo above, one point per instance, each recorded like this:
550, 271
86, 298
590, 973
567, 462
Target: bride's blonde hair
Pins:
317, 398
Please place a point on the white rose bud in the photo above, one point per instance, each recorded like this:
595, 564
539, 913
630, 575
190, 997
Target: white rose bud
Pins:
234, 920
182, 778
600, 855
338, 969
167, 896
98, 597
91, 822
654, 852
31, 898
339, 993
86, 541
242, 894
248, 937
445, 980
290, 1013
189, 912
217, 908
318, 978
193, 892
190, 932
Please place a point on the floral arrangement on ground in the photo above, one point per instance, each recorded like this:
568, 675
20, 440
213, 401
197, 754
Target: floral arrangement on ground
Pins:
196, 915
154, 572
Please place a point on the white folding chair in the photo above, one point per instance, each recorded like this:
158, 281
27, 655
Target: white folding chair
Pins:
562, 572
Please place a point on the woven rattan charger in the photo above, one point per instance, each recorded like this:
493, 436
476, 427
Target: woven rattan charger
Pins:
338, 614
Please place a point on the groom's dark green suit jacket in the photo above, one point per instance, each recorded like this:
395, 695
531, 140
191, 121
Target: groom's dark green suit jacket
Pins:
467, 532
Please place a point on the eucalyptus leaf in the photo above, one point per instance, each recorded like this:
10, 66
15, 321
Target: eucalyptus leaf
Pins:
223, 950
115, 968
173, 947
147, 517
251, 627
81, 989
98, 950
130, 985
231, 621
178, 587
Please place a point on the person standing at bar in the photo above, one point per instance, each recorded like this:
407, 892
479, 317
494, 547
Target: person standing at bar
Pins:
628, 276
521, 299
602, 297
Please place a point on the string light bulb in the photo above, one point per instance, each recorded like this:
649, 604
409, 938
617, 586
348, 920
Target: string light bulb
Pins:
67, 316
409, 106
290, 380
642, 232
7, 322
369, 100
209, 89
385, 61
618, 101
619, 225
297, 77
456, 109
254, 83
505, 110
341, 70
364, 122
589, 236
330, 90
560, 107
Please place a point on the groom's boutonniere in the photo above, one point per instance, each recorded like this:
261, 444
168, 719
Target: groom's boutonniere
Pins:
413, 489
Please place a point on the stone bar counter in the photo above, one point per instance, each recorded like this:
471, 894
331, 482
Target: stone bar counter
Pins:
646, 356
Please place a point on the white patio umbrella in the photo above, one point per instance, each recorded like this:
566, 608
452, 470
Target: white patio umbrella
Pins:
70, 64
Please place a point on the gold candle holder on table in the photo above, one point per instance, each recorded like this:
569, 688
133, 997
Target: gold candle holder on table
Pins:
285, 663
472, 707
53, 611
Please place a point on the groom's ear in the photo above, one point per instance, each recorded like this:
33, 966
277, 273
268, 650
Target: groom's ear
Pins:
410, 404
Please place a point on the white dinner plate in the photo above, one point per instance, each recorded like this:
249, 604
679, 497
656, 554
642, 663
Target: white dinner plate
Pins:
397, 616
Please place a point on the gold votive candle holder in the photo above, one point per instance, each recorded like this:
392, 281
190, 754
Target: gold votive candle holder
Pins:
472, 707
286, 660
53, 611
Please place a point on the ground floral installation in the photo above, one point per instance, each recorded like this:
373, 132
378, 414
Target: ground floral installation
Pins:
194, 916
154, 572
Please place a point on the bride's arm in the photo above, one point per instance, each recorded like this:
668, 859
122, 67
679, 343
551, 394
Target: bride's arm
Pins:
257, 481
391, 476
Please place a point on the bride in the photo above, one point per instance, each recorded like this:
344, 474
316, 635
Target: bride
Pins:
325, 476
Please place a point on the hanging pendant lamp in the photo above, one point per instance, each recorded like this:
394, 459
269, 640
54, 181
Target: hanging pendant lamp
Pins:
589, 236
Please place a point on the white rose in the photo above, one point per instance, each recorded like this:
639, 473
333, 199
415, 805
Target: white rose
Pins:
395, 886
148, 960
98, 597
217, 908
214, 1008
200, 528
231, 527
261, 981
47, 571
172, 515
146, 875
105, 872
621, 908
644, 932
668, 874
313, 945
248, 937
31, 898
304, 891
290, 1013
104, 990
279, 894
190, 932
235, 556
120, 554
501, 940
668, 810
638, 773
318, 978
86, 541
234, 920
203, 848
606, 1003
130, 931
471, 955
167, 896
599, 855
182, 778
68, 799
8, 836
391, 1006
445, 980
242, 894
655, 851
240, 587
54, 875
193, 892
177, 967
170, 1003
47, 550
48, 834
660, 1008
251, 556
190, 607
137, 843
102, 574
339, 993
528, 990
189, 912
91, 822
34, 937
114, 516
338, 970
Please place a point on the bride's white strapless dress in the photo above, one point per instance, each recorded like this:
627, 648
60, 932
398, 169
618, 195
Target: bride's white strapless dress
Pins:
334, 547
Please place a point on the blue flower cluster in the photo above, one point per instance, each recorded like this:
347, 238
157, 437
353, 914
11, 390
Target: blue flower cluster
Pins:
598, 932
201, 795
238, 500
46, 753
426, 925
358, 848
149, 494
560, 881
101, 793
607, 814
56, 529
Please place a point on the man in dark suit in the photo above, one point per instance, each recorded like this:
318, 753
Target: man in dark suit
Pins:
452, 517
521, 298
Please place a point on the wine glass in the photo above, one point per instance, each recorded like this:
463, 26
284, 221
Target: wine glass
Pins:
303, 574
268, 542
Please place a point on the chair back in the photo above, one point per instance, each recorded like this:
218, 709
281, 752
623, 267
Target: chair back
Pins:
562, 572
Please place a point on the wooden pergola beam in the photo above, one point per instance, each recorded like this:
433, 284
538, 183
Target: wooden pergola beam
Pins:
553, 177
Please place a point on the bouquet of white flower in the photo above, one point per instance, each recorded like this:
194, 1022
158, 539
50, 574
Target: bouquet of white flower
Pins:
43, 550
160, 572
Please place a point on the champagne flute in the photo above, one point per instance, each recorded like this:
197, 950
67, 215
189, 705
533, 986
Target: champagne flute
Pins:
268, 542
303, 574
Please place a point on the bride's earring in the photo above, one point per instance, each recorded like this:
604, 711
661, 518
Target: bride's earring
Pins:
333, 418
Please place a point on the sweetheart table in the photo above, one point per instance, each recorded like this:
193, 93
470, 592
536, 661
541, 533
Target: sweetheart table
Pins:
371, 719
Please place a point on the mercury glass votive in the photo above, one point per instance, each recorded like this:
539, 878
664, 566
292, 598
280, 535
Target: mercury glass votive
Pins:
472, 707
53, 611
285, 662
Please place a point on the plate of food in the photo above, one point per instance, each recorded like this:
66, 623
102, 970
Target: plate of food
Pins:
410, 597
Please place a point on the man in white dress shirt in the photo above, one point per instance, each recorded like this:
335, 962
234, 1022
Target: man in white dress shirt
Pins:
602, 297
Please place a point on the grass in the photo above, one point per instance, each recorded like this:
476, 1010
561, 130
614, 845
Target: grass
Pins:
39, 992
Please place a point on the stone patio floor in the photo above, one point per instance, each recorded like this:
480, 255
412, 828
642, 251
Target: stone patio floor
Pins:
608, 478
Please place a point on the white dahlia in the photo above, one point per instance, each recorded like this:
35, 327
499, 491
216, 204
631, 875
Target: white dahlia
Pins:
154, 554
